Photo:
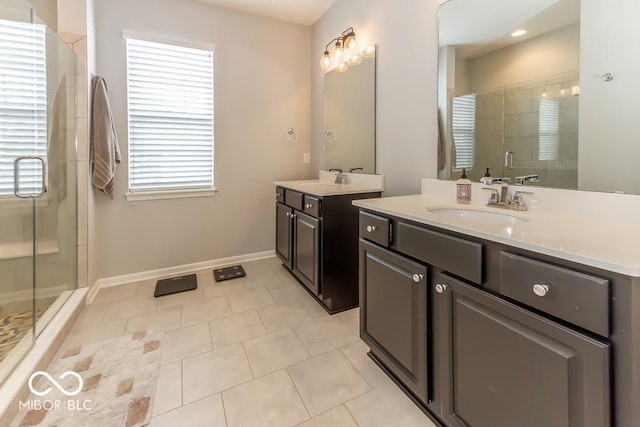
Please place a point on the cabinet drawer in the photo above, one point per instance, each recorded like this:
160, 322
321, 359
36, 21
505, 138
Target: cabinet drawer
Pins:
375, 228
457, 256
293, 199
279, 194
311, 206
569, 295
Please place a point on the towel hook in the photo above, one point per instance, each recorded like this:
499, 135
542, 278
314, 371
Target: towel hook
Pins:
291, 136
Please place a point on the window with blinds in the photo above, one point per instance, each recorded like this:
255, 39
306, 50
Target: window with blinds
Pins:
170, 94
549, 129
23, 104
463, 122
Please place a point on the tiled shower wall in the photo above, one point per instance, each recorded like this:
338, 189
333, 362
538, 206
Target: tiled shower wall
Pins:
78, 43
507, 119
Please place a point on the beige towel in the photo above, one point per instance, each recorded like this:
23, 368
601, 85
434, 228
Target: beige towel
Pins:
105, 152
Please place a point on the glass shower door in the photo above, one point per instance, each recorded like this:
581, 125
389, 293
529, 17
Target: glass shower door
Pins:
37, 179
22, 176
55, 214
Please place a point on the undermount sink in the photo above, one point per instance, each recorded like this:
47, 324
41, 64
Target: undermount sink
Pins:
486, 216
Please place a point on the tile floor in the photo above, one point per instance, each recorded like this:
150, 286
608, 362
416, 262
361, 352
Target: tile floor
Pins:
256, 351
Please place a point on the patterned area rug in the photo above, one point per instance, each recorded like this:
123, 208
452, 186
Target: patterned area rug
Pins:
12, 328
117, 385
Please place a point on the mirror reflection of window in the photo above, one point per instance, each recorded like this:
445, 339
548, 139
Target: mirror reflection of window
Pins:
463, 122
549, 129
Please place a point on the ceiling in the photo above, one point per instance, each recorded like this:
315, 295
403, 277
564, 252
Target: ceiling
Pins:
304, 12
477, 27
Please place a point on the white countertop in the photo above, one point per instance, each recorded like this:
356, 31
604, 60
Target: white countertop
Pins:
325, 185
602, 243
320, 189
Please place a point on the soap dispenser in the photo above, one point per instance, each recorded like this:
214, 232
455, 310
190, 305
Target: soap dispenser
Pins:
486, 179
463, 189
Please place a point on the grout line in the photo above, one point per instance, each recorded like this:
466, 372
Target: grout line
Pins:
355, 367
353, 417
224, 409
246, 355
181, 385
298, 391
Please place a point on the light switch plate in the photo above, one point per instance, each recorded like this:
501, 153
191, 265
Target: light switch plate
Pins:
306, 158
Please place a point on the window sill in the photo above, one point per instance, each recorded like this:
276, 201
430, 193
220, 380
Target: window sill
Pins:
169, 194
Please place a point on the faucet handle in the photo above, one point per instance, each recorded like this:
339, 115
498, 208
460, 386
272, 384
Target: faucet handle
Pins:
518, 200
495, 195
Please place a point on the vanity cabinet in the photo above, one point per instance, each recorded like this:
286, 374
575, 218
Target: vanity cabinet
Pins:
306, 250
480, 334
507, 366
317, 241
284, 231
393, 301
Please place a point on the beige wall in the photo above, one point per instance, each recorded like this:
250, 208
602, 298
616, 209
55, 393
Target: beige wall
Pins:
261, 89
609, 125
406, 63
47, 11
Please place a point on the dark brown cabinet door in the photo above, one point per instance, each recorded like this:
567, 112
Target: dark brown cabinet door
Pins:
509, 367
283, 233
393, 314
306, 247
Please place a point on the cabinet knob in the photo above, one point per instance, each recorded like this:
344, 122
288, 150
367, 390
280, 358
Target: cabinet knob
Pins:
417, 277
278, 194
371, 228
288, 214
440, 287
540, 289
308, 205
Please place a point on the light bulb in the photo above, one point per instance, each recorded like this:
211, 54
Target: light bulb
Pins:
325, 61
350, 42
369, 51
338, 51
342, 67
355, 59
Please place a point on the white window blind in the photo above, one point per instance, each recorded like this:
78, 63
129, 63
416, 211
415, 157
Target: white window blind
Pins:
23, 104
549, 129
464, 130
170, 90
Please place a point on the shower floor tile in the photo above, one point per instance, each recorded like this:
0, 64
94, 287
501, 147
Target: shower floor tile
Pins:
13, 327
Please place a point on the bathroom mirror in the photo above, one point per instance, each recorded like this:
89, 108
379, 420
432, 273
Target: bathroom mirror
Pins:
558, 102
349, 117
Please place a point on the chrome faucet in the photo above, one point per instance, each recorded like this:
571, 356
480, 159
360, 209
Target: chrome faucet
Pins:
522, 180
502, 198
339, 178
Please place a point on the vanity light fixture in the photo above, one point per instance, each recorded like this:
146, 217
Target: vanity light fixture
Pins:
518, 33
345, 52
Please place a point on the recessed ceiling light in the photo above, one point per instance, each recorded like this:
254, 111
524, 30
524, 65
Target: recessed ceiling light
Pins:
518, 33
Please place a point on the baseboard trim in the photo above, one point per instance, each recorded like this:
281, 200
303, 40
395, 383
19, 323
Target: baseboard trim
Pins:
169, 271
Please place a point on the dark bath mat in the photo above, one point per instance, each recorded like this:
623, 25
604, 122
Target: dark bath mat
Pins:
227, 273
175, 285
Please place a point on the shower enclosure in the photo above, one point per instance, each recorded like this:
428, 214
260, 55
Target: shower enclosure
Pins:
38, 208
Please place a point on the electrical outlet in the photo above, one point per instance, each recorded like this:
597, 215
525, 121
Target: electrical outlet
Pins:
306, 158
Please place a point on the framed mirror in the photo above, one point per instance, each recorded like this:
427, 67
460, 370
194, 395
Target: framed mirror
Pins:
530, 88
349, 117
